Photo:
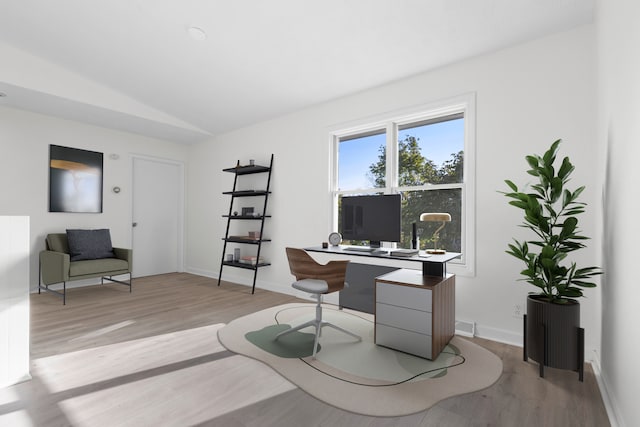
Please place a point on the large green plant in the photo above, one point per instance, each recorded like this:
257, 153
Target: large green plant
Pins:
550, 212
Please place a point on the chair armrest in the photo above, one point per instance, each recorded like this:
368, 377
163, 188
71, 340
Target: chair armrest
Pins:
54, 267
124, 254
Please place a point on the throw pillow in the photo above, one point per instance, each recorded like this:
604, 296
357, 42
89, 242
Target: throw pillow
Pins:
89, 244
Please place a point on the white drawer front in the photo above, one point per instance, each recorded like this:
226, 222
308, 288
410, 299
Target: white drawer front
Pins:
403, 296
399, 339
405, 318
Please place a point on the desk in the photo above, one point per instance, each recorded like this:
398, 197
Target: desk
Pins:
360, 295
414, 311
432, 265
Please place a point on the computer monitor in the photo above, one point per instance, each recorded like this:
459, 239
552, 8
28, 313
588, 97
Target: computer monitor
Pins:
375, 218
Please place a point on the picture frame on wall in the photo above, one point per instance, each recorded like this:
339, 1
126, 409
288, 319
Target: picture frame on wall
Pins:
75, 180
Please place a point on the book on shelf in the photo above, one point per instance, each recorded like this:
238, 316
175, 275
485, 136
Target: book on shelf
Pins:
404, 252
249, 237
251, 259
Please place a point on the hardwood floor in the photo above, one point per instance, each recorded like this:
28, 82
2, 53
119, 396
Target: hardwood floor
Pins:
100, 321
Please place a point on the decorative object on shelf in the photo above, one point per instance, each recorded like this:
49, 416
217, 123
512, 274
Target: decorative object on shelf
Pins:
335, 238
552, 333
229, 257
436, 217
248, 214
236, 254
325, 245
252, 162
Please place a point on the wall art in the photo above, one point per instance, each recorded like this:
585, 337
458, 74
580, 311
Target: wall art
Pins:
75, 180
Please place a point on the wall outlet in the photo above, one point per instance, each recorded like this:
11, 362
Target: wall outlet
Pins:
518, 311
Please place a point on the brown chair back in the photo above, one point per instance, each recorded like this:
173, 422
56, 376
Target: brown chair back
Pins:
302, 266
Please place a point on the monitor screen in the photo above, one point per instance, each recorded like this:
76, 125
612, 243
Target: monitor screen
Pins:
374, 218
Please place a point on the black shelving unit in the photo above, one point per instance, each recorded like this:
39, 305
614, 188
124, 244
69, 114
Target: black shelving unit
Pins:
238, 171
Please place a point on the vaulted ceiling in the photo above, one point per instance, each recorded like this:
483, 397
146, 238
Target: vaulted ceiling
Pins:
133, 64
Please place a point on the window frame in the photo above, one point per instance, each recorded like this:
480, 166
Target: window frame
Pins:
392, 122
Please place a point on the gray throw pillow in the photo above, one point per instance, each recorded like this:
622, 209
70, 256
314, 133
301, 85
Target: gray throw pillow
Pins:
89, 244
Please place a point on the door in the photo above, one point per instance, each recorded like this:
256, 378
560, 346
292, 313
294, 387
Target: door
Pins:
157, 216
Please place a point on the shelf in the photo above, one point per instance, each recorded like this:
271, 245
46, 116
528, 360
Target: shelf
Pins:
246, 266
247, 193
246, 217
248, 214
246, 170
248, 241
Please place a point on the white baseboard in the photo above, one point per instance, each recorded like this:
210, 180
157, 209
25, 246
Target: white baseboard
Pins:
609, 403
499, 335
244, 281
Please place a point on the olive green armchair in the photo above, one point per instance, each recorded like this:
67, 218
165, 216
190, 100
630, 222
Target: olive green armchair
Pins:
59, 264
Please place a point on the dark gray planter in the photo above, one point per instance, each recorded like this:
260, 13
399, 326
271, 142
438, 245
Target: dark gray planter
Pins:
553, 336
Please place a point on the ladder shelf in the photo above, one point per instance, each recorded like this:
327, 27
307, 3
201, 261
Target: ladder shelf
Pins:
238, 171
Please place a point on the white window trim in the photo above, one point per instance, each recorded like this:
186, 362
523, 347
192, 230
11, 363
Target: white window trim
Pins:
464, 103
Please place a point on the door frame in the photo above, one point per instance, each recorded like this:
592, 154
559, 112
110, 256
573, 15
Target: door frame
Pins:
181, 202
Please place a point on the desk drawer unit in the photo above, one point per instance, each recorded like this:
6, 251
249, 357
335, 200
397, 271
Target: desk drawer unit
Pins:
403, 318
414, 314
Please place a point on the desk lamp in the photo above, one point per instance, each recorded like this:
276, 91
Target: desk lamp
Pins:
436, 217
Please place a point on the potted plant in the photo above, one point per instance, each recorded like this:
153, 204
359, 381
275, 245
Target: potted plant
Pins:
552, 333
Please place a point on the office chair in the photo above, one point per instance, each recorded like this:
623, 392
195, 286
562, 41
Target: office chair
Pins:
317, 279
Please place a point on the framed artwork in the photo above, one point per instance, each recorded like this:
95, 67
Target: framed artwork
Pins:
75, 180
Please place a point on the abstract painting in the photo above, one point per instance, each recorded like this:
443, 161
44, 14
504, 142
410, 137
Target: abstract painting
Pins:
75, 180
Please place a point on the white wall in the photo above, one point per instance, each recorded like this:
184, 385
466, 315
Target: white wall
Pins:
527, 97
24, 172
618, 135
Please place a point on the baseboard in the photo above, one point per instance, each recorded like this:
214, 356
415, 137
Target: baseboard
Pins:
499, 335
609, 403
244, 281
14, 381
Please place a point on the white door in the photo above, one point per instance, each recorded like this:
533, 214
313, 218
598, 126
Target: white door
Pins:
157, 216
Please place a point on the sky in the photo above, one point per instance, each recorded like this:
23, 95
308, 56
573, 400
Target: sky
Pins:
437, 142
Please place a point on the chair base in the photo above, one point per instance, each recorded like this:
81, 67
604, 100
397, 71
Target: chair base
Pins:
318, 324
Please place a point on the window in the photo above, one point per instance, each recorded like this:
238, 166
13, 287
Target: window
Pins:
427, 157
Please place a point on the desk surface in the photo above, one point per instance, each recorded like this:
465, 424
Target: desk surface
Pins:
422, 257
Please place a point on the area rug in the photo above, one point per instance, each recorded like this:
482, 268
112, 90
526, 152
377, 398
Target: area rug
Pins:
359, 377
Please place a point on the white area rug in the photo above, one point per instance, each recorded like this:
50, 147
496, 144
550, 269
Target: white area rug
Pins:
360, 377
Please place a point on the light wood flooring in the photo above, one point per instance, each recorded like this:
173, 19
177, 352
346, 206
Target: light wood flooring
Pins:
110, 316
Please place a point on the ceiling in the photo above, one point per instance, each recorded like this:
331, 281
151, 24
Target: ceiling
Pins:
132, 65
